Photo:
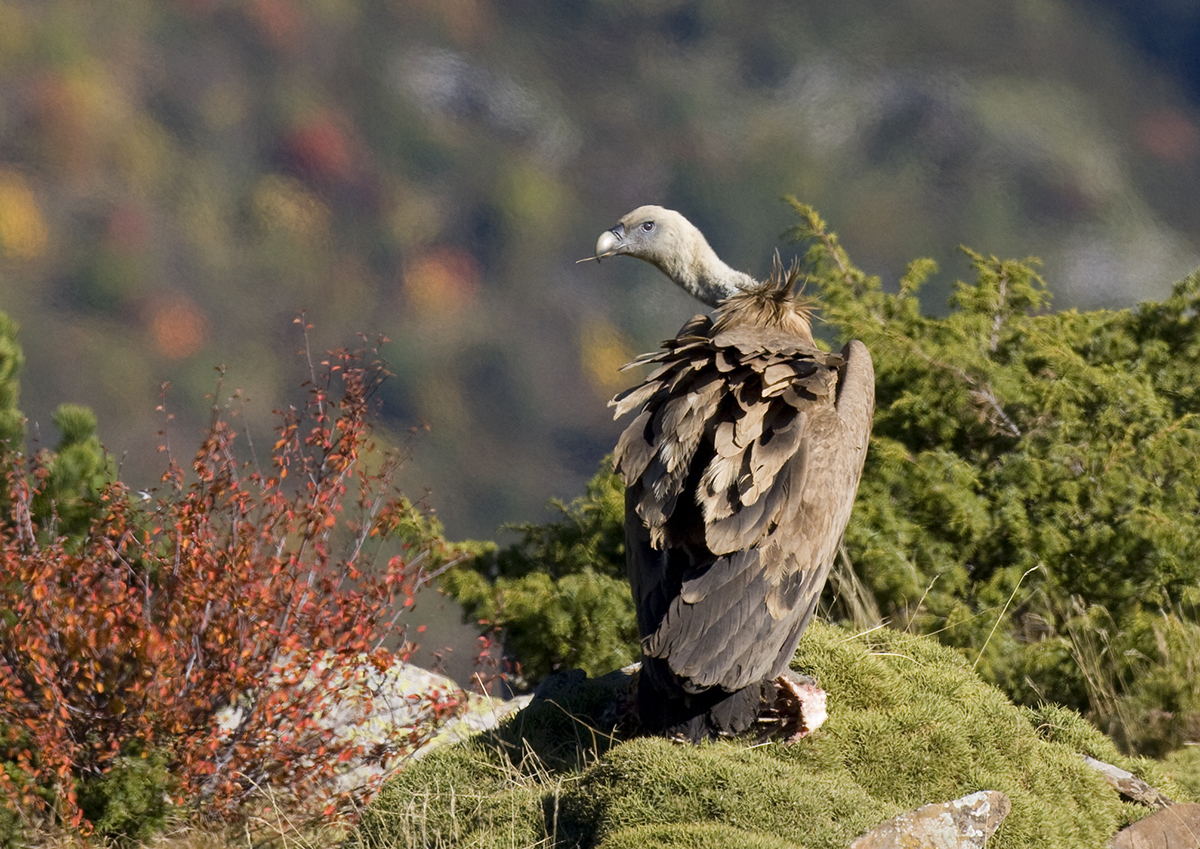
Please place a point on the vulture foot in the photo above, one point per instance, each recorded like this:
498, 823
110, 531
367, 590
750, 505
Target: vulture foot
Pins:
798, 709
789, 708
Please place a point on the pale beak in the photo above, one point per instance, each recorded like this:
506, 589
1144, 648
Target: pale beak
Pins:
609, 244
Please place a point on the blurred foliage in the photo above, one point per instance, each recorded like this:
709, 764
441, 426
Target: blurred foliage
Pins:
1165, 30
1031, 496
178, 179
22, 230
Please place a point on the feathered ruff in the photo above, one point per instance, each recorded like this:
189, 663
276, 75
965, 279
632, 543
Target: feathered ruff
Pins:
774, 302
740, 467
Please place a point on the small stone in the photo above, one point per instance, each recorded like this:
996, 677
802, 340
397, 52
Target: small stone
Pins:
1174, 827
965, 823
1128, 784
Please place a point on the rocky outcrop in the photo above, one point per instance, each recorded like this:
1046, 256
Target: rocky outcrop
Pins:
964, 823
396, 714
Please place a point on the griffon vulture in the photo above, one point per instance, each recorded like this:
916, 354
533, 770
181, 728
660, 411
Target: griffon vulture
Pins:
740, 466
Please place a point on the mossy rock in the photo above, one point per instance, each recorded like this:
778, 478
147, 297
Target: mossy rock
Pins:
909, 723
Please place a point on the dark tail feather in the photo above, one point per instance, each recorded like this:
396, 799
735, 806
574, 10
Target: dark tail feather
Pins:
665, 709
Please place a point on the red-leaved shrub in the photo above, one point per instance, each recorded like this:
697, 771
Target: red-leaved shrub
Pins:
237, 584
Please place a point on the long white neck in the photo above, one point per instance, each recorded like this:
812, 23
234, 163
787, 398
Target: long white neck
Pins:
703, 275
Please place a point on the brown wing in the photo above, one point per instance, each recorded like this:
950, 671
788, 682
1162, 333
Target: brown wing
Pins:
740, 470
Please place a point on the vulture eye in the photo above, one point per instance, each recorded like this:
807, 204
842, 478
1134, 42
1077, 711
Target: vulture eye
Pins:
647, 226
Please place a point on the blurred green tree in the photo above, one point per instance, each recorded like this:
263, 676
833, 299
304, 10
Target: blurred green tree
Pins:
76, 471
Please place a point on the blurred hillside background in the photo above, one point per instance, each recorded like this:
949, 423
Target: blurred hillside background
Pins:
180, 178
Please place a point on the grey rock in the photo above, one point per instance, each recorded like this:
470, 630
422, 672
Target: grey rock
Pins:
388, 711
965, 823
1174, 827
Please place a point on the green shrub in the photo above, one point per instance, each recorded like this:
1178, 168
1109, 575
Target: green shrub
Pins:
12, 422
559, 594
1032, 494
129, 801
75, 473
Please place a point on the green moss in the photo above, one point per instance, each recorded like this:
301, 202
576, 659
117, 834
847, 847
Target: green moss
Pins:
441, 798
653, 782
1183, 768
695, 836
910, 723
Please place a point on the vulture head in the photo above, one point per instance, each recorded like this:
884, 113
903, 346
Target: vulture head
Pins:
671, 243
